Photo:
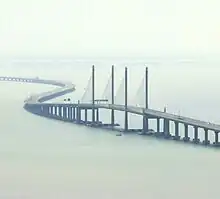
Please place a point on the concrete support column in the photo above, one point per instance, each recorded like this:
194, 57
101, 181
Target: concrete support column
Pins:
70, 113
145, 124
60, 111
166, 129
216, 143
64, 113
186, 129
158, 125
54, 111
46, 110
196, 139
126, 121
206, 141
86, 115
97, 115
177, 137
49, 109
78, 114
42, 109
74, 113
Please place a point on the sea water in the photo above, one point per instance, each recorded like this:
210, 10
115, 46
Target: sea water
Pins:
43, 158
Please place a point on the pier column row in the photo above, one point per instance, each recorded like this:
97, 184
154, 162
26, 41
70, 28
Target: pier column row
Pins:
66, 113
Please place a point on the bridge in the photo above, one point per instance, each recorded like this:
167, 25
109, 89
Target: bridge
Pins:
73, 112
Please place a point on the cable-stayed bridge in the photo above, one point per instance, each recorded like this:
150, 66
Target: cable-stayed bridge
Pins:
115, 100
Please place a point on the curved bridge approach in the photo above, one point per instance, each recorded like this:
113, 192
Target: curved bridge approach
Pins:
72, 112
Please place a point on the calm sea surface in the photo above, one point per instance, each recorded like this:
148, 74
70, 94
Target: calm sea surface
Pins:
42, 158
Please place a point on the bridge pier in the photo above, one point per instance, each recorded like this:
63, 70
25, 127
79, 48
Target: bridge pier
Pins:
216, 143
158, 125
57, 111
54, 111
49, 110
70, 113
86, 115
64, 113
176, 137
45, 110
166, 128
186, 137
206, 141
196, 139
145, 124
61, 112
78, 115
74, 114
97, 115
42, 109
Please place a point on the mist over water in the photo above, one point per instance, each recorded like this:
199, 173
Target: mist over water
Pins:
43, 158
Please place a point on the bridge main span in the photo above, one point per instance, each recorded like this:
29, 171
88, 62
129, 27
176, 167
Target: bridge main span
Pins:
72, 112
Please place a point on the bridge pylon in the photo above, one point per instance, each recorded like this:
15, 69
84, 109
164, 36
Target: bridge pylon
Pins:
145, 117
93, 94
126, 100
113, 97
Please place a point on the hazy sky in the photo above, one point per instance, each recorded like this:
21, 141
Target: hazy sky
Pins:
108, 27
